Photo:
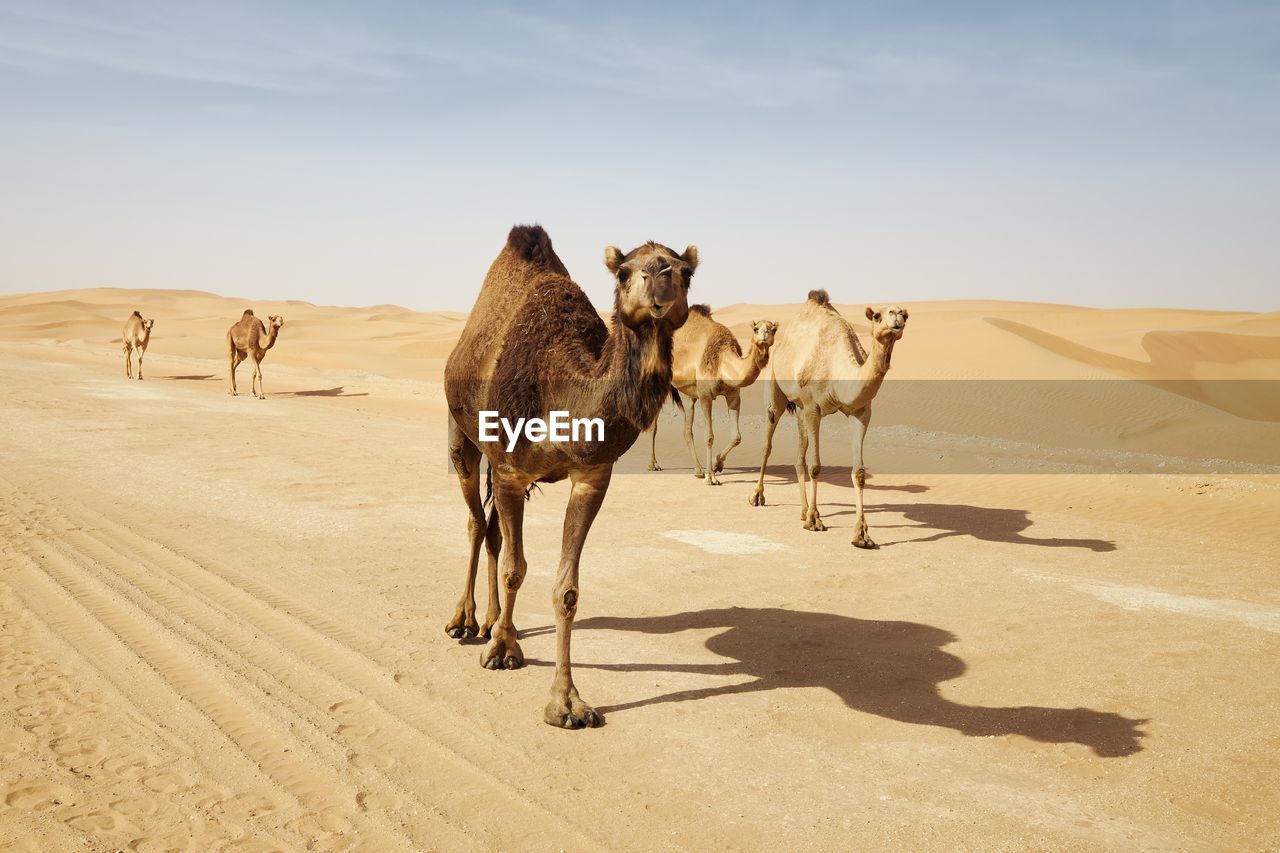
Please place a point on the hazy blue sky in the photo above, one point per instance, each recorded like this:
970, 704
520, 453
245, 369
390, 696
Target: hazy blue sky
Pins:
1112, 153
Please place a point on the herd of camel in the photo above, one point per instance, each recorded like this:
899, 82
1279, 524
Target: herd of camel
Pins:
533, 344
246, 339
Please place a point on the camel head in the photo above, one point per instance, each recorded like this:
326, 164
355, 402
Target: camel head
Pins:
147, 324
887, 324
652, 284
763, 332
275, 321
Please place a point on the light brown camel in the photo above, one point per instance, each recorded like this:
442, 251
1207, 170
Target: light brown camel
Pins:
534, 344
706, 363
136, 335
249, 339
818, 368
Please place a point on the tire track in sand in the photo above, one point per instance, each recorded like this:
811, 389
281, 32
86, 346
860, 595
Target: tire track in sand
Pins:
327, 815
290, 654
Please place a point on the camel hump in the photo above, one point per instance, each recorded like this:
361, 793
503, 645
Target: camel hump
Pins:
820, 297
137, 314
704, 310
531, 243
248, 312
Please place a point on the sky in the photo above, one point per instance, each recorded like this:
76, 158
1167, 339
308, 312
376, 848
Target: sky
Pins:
1110, 153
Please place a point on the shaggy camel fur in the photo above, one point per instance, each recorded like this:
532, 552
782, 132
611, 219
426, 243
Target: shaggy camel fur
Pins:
818, 368
707, 362
136, 335
249, 339
534, 344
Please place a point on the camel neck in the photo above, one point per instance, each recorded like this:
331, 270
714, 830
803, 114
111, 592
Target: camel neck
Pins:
743, 369
636, 370
880, 356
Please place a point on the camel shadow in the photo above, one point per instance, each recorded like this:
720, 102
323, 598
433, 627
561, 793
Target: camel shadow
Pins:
909, 488
195, 377
890, 669
990, 524
836, 476
338, 391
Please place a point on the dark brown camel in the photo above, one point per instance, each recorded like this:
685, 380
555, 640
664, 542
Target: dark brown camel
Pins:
532, 345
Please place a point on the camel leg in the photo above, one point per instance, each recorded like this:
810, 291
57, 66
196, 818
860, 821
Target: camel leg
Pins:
128, 362
773, 413
653, 446
466, 461
705, 404
141, 353
802, 464
502, 651
861, 418
257, 378
235, 361
688, 439
734, 401
813, 425
566, 709
493, 547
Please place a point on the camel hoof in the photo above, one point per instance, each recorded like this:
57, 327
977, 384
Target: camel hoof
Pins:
757, 498
699, 474
560, 717
502, 654
460, 632
864, 541
654, 466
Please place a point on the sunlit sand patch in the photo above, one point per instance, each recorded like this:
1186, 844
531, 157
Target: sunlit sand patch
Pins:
719, 542
1143, 598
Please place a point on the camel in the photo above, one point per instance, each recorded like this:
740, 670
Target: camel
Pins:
136, 335
707, 362
818, 368
534, 344
249, 339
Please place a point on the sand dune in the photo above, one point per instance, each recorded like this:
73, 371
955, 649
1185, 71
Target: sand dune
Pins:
221, 618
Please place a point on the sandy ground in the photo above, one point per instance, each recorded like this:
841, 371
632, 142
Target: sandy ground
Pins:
221, 618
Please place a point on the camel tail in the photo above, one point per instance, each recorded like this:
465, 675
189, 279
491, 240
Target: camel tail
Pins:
531, 243
791, 407
819, 297
675, 398
488, 483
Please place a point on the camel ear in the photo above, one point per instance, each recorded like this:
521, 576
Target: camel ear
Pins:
904, 314
612, 258
690, 257
872, 315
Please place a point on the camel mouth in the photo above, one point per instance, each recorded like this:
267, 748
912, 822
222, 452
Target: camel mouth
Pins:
657, 312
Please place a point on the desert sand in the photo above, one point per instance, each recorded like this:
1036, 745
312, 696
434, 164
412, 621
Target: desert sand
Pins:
221, 619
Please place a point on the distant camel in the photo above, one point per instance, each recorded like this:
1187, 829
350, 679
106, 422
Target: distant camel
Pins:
707, 362
137, 334
534, 344
818, 368
250, 339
